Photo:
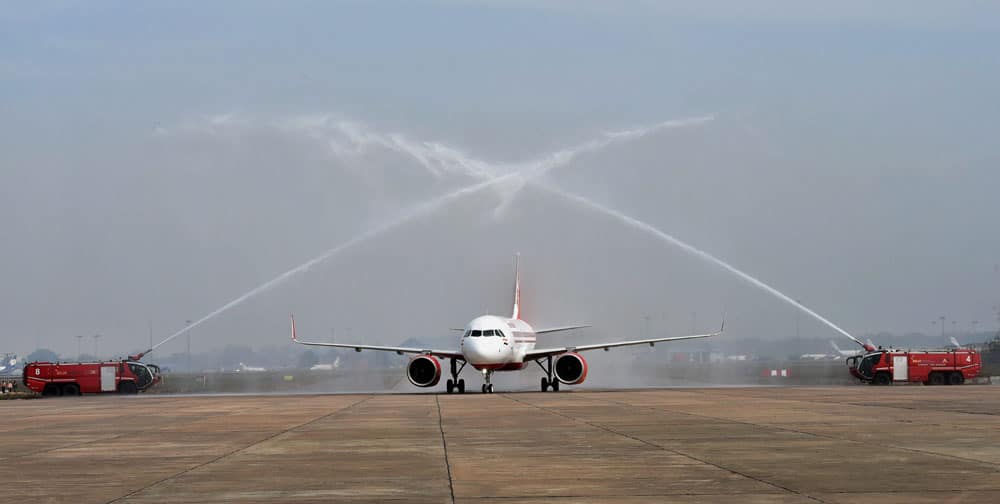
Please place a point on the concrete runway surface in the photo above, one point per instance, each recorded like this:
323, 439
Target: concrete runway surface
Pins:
728, 445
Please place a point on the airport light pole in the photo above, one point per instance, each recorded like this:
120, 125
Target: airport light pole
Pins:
942, 318
79, 346
96, 336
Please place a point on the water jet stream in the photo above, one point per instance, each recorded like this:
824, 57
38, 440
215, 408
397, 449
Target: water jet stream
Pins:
408, 215
648, 228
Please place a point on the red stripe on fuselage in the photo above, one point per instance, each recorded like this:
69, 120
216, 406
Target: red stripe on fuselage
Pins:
507, 366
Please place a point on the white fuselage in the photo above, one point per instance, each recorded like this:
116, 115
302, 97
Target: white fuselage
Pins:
497, 343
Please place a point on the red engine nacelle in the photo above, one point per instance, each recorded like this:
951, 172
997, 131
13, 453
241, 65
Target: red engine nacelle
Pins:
424, 371
571, 368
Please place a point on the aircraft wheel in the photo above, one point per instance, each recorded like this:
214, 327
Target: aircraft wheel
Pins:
490, 388
484, 388
555, 385
461, 386
450, 385
545, 384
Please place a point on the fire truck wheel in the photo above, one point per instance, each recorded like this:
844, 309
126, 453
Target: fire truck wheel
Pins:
882, 379
127, 387
936, 379
956, 378
70, 389
52, 390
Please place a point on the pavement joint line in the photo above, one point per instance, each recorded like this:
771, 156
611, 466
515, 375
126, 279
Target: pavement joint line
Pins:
63, 447
992, 465
238, 450
664, 448
444, 443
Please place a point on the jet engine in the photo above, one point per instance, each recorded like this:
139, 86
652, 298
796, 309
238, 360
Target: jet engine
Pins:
424, 371
571, 368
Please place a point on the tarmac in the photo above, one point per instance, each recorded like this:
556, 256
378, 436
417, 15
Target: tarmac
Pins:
853, 444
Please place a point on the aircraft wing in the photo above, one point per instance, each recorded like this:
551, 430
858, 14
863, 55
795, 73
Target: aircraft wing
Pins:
558, 329
546, 352
447, 354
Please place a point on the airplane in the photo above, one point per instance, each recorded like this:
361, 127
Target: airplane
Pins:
846, 353
250, 369
816, 356
492, 343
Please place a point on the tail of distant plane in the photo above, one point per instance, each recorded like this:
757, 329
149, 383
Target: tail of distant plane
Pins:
516, 312
955, 342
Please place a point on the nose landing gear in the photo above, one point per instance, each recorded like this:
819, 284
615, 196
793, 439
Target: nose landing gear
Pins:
487, 387
454, 383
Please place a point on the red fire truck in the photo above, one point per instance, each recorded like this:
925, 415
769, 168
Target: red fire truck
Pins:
930, 367
75, 378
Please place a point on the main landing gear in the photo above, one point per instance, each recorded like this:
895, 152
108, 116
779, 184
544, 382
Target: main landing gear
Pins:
454, 384
487, 387
549, 380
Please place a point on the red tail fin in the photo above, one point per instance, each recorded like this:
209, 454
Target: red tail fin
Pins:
517, 289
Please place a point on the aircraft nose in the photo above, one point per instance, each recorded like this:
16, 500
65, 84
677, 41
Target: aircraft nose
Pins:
482, 349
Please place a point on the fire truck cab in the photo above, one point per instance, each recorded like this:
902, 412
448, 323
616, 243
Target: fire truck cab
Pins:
930, 367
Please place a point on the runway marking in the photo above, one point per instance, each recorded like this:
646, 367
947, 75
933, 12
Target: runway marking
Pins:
239, 450
444, 443
664, 448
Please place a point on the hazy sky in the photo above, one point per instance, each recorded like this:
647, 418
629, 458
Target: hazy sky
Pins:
157, 162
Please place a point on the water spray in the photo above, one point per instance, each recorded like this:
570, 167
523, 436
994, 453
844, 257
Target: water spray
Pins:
427, 153
642, 226
410, 214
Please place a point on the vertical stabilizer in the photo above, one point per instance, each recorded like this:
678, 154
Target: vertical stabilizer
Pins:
516, 312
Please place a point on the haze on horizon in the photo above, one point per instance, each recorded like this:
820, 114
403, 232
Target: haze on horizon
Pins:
158, 161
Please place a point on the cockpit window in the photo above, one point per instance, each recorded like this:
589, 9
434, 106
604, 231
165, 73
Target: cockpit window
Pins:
467, 333
488, 332
476, 332
499, 332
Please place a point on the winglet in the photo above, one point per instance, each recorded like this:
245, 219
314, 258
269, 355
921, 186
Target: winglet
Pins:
292, 318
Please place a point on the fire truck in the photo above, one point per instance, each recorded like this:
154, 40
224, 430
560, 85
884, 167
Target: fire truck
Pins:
75, 378
930, 367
